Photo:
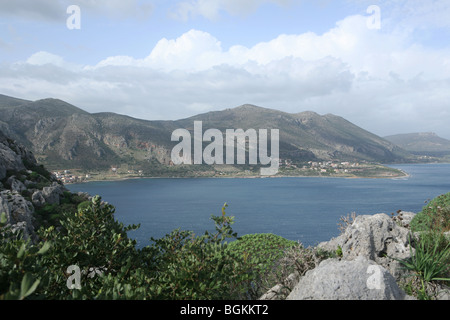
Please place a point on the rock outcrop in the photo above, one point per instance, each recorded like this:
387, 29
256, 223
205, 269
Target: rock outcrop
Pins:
22, 189
376, 237
12, 156
49, 195
366, 268
358, 279
19, 212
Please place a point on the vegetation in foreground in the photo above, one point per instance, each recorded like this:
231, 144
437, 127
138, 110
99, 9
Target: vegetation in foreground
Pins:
429, 264
180, 265
88, 255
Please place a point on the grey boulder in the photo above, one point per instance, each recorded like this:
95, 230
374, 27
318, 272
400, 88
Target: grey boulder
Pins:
376, 237
358, 279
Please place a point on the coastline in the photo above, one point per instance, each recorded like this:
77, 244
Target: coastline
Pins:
403, 175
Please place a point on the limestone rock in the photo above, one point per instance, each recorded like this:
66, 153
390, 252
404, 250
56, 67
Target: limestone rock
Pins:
376, 237
19, 212
38, 199
9, 160
13, 156
53, 194
358, 279
16, 185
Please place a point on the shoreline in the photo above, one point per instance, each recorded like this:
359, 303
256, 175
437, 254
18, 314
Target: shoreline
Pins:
405, 175
124, 178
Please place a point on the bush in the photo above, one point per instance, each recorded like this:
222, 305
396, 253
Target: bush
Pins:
91, 243
90, 239
84, 205
19, 263
199, 267
435, 216
261, 254
430, 261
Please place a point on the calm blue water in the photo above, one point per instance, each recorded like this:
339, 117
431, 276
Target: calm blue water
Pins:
302, 209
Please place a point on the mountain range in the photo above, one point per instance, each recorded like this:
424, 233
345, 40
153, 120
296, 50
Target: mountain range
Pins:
422, 143
62, 135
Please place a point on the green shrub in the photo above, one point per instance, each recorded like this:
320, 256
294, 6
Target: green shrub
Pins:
89, 239
261, 254
84, 205
187, 266
431, 259
435, 216
19, 263
180, 265
262, 248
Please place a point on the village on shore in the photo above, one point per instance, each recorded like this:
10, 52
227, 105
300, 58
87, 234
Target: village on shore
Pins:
287, 168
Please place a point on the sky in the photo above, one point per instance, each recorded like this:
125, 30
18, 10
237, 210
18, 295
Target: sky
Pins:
383, 65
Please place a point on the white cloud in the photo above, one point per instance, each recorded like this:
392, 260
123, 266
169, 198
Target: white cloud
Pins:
42, 58
194, 50
351, 42
381, 81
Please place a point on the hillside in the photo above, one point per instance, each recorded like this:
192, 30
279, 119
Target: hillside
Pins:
423, 143
64, 136
307, 135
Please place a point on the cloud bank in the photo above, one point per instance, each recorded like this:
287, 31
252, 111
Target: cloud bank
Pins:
382, 81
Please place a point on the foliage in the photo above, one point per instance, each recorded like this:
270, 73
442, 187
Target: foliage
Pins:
51, 214
90, 239
262, 254
435, 216
428, 261
187, 266
19, 260
428, 265
339, 252
180, 265
264, 248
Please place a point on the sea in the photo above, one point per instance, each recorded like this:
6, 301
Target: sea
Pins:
303, 209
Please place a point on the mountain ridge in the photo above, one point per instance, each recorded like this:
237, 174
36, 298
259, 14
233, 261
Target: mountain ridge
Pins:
63, 135
422, 143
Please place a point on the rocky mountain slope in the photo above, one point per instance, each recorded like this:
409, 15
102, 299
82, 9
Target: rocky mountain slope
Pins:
64, 136
28, 192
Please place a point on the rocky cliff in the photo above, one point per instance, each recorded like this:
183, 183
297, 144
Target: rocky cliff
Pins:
26, 188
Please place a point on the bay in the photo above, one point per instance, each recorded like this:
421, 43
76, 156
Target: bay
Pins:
304, 209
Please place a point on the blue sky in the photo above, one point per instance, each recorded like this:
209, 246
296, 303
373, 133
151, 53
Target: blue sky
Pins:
104, 33
173, 59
